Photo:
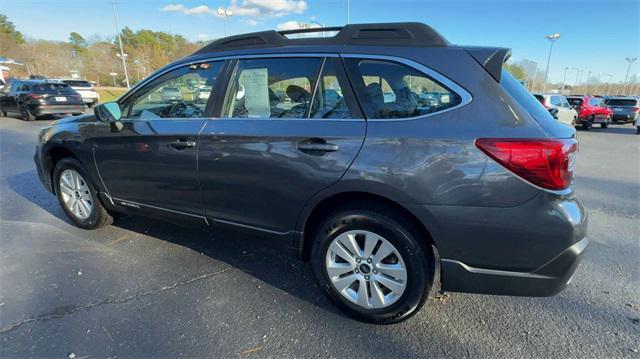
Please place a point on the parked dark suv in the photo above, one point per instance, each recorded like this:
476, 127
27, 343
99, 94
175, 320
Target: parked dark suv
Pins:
32, 98
366, 180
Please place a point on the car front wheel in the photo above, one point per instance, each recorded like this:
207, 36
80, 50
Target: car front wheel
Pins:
371, 264
77, 195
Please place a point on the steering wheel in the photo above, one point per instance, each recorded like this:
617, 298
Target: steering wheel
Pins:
181, 107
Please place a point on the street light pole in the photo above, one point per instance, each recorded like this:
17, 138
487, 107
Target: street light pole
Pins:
564, 78
609, 83
575, 84
588, 76
348, 11
124, 62
224, 13
630, 60
552, 38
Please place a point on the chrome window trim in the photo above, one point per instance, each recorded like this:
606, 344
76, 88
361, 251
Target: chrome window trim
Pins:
465, 96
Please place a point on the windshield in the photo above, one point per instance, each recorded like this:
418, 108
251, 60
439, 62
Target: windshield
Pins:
523, 97
75, 83
622, 102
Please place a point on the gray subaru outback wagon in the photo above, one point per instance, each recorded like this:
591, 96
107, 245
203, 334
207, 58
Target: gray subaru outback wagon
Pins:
381, 153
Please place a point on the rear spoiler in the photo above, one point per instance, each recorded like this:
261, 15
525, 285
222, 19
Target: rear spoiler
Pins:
491, 58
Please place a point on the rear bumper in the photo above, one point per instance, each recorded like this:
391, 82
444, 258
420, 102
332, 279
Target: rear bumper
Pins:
530, 250
548, 280
56, 109
624, 118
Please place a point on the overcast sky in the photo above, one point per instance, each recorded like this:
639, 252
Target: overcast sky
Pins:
595, 35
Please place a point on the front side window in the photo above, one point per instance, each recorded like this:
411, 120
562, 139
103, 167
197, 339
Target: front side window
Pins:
272, 88
389, 89
181, 93
556, 101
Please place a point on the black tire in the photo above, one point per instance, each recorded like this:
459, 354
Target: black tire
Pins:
25, 114
99, 217
4, 113
586, 125
418, 258
604, 125
638, 130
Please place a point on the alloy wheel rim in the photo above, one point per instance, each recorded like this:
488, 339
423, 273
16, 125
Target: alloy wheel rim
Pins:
366, 269
75, 194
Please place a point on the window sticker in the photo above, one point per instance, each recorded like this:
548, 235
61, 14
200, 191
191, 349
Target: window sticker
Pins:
256, 92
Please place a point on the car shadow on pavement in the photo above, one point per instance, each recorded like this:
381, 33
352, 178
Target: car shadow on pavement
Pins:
258, 257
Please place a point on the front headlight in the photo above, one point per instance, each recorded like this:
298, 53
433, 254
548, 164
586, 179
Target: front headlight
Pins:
45, 135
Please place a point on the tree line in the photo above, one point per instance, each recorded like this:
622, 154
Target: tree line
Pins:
93, 58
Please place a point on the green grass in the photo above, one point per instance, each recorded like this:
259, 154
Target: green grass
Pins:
108, 94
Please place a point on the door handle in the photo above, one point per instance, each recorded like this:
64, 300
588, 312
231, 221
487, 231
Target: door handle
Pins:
317, 146
182, 144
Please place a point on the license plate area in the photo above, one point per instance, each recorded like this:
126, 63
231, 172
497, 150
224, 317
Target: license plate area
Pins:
60, 98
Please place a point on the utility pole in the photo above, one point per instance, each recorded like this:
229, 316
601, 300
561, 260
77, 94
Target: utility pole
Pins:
122, 56
588, 76
630, 60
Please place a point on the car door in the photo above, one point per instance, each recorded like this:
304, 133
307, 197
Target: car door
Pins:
568, 114
283, 137
148, 159
9, 101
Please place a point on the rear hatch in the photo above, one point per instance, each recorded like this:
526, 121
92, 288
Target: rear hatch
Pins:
547, 163
623, 106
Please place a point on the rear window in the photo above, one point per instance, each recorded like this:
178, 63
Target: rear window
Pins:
524, 97
50, 87
622, 102
75, 83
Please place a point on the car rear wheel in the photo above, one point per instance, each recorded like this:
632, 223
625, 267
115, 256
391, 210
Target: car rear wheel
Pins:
78, 196
25, 114
371, 264
606, 123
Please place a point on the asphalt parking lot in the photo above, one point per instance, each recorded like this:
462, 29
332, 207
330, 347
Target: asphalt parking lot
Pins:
147, 288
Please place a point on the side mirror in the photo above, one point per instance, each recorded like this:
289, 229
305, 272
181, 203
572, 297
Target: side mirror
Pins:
108, 112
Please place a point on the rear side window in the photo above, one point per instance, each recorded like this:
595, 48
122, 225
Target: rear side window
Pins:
524, 97
556, 101
595, 102
388, 90
272, 88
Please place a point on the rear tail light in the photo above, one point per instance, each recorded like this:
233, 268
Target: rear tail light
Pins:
547, 163
35, 97
636, 109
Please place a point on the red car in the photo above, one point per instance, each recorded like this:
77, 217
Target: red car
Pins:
591, 110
